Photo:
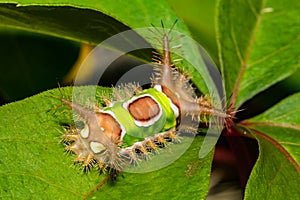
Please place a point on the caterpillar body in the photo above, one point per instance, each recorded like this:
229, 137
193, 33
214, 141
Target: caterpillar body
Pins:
127, 130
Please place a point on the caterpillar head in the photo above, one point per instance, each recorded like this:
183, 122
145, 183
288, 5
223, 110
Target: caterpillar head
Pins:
98, 141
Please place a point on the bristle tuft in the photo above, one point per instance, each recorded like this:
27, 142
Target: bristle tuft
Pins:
125, 91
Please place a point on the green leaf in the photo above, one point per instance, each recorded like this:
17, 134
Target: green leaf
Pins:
33, 162
282, 123
203, 30
259, 45
274, 175
187, 172
277, 131
84, 21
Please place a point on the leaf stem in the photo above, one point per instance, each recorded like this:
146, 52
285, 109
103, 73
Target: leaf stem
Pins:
244, 61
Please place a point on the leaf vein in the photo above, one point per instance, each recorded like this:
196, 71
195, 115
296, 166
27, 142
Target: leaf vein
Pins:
277, 51
280, 147
290, 143
268, 123
252, 8
43, 180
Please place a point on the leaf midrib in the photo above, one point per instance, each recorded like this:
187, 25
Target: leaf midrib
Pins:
247, 56
280, 148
